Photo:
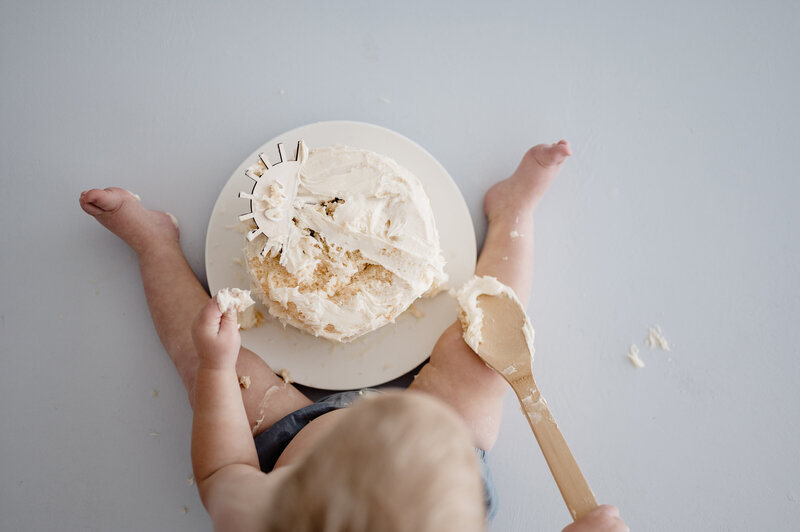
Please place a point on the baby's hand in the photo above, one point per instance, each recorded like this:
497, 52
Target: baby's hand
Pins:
216, 337
605, 518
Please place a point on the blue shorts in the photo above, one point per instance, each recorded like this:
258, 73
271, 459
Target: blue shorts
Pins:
272, 442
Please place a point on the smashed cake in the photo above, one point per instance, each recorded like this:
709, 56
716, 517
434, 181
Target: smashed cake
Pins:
348, 242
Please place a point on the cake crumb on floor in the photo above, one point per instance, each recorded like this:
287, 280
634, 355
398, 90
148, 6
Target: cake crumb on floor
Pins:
244, 381
655, 337
633, 356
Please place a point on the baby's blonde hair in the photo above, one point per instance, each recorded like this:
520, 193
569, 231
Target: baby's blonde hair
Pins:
395, 463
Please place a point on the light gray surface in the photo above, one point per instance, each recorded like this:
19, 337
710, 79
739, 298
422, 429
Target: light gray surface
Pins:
678, 208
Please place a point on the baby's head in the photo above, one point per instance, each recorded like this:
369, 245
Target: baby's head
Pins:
394, 463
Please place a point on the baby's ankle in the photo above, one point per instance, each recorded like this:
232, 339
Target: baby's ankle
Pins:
155, 248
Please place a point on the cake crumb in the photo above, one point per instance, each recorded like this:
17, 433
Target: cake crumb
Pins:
155, 434
285, 375
515, 234
282, 91
417, 313
238, 261
655, 337
185, 510
244, 381
385, 100
154, 392
250, 318
633, 356
190, 480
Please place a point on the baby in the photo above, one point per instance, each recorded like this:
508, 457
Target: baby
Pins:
266, 458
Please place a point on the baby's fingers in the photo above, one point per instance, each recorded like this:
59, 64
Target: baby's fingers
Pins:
208, 320
229, 323
604, 518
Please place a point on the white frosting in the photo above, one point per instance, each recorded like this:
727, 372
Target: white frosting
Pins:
262, 406
233, 298
348, 208
173, 219
137, 196
467, 297
535, 409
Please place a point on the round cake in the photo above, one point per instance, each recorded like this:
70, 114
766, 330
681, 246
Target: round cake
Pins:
350, 242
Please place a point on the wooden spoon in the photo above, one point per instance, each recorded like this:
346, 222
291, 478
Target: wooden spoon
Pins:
506, 345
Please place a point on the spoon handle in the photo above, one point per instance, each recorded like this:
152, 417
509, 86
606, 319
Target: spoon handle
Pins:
571, 482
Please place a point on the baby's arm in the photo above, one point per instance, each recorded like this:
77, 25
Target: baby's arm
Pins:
222, 443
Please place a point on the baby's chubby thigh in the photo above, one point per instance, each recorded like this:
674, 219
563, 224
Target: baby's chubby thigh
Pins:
307, 438
458, 377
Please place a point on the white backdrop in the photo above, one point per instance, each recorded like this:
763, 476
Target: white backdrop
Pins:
677, 208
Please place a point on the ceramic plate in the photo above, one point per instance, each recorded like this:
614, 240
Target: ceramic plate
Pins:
381, 355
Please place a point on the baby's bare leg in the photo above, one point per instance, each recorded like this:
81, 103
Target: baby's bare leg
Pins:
455, 373
175, 296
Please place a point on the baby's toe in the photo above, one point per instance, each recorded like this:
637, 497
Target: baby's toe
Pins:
97, 201
88, 201
549, 155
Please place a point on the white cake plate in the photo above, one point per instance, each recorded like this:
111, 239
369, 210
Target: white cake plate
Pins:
381, 355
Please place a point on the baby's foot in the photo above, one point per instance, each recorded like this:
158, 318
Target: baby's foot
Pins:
121, 213
520, 193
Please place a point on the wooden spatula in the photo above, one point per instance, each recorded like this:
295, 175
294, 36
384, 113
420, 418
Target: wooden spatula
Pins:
506, 345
